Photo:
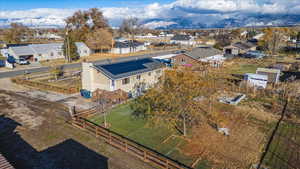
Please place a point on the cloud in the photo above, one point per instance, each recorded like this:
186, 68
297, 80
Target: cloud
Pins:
213, 9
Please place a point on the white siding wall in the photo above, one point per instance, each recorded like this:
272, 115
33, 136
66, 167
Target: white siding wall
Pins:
84, 51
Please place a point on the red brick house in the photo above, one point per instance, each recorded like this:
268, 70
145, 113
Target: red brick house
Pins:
197, 55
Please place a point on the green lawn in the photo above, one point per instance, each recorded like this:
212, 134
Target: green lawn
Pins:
248, 66
244, 68
138, 130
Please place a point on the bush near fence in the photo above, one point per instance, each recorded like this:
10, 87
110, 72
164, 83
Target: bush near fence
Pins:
129, 146
45, 86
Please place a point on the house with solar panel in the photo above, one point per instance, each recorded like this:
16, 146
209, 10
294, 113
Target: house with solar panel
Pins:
128, 46
40, 52
125, 75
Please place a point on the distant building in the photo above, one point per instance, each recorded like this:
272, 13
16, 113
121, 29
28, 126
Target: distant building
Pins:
126, 75
199, 54
273, 74
239, 48
127, 46
256, 80
183, 40
40, 52
48, 35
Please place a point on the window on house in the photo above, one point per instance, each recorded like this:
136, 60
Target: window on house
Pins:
113, 83
138, 77
149, 74
51, 54
125, 81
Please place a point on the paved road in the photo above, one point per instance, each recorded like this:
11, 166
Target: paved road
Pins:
14, 73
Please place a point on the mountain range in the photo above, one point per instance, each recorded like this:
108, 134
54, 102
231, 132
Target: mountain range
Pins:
236, 20
178, 22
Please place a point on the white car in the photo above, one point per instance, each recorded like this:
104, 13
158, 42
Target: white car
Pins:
24, 62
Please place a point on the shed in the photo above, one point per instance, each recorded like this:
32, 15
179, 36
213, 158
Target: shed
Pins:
256, 80
273, 74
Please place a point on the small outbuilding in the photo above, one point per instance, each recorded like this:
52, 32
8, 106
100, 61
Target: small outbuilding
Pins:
272, 74
256, 80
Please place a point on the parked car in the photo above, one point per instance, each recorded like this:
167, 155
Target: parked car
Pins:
23, 62
179, 52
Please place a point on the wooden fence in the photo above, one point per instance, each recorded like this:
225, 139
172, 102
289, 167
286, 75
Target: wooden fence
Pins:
129, 146
45, 86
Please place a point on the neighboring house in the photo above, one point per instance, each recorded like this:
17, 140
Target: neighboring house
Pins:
82, 49
124, 47
40, 52
256, 80
239, 48
48, 35
126, 75
199, 54
165, 59
165, 34
272, 74
183, 40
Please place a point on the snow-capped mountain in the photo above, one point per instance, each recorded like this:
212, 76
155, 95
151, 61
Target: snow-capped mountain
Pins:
232, 21
187, 14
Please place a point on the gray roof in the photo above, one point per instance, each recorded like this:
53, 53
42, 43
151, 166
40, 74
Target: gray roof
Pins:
32, 49
125, 69
128, 44
244, 45
22, 50
181, 37
45, 48
203, 52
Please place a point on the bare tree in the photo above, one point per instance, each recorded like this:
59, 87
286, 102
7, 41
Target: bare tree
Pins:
130, 27
81, 23
16, 33
100, 39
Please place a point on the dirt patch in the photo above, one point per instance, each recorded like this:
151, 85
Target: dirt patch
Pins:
35, 135
20, 111
241, 148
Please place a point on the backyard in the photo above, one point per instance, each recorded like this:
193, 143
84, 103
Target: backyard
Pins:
68, 83
160, 139
242, 66
285, 148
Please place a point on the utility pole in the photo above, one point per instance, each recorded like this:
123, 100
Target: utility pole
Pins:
68, 47
69, 54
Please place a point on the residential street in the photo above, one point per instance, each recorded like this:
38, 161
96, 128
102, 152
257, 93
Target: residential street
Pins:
14, 73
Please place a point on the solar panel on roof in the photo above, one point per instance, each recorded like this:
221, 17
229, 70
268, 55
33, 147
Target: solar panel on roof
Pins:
125, 67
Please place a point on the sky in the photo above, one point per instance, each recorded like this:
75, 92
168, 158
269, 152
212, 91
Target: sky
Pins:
55, 11
71, 4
